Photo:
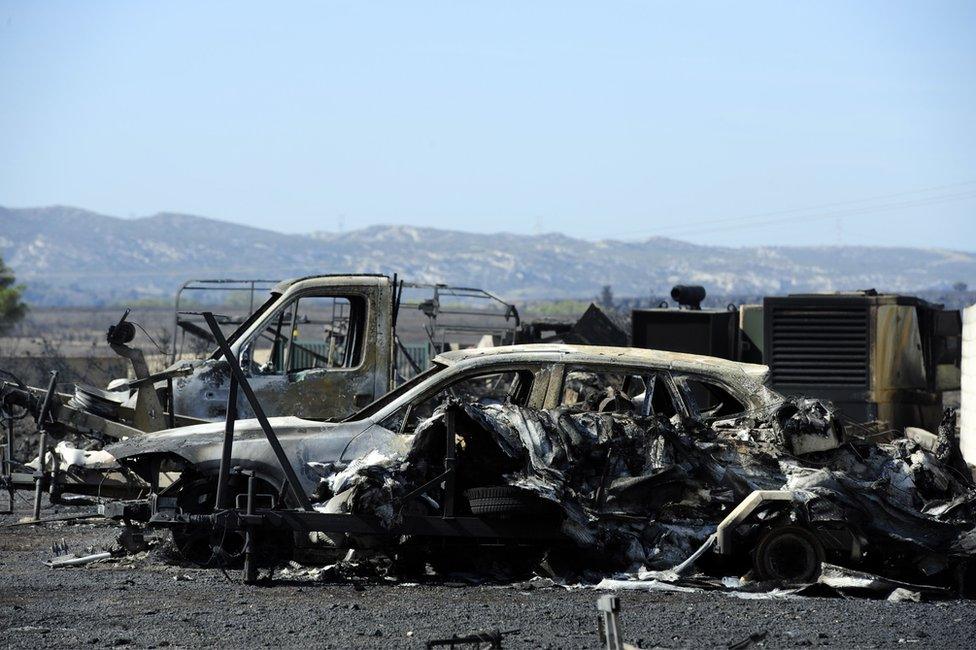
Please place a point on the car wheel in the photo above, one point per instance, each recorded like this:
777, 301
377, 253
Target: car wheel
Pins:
216, 547
789, 554
206, 547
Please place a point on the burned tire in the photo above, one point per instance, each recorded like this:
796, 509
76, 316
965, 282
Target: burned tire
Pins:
200, 545
788, 554
217, 547
503, 500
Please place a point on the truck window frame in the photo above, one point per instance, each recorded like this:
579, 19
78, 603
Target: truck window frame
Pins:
291, 302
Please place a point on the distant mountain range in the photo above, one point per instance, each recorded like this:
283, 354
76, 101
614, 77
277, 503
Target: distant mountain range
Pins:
68, 256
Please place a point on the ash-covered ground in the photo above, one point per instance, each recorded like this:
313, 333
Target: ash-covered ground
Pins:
146, 602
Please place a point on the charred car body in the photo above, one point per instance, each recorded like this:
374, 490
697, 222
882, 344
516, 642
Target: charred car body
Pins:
647, 458
533, 373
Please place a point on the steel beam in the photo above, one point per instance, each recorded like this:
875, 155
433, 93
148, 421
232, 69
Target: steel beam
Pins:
235, 368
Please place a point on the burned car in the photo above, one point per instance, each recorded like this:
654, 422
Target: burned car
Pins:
581, 460
608, 387
680, 387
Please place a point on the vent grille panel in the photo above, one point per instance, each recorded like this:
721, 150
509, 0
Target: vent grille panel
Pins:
819, 346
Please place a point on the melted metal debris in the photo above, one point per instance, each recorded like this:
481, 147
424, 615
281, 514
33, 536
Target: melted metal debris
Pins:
640, 495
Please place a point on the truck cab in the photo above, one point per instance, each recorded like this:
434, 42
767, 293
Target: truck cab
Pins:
320, 347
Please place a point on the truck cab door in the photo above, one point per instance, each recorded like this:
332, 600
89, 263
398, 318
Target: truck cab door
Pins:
320, 354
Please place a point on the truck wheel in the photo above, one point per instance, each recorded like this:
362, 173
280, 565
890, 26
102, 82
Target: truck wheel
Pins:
502, 500
788, 554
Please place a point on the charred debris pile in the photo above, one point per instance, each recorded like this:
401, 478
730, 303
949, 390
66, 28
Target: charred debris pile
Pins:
653, 501
782, 498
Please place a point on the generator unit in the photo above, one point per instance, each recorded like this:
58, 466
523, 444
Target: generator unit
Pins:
709, 331
689, 328
877, 357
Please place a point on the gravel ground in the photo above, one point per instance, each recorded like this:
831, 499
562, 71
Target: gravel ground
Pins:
148, 603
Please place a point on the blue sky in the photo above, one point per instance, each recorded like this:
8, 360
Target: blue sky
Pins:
719, 122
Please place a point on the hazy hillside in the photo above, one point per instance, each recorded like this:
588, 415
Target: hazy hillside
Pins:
71, 256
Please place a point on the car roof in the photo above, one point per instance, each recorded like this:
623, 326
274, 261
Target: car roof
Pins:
594, 355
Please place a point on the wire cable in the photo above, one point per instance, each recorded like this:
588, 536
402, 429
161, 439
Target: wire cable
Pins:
158, 347
796, 211
832, 215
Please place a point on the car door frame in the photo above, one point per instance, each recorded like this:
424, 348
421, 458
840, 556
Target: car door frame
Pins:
478, 371
376, 435
554, 397
691, 403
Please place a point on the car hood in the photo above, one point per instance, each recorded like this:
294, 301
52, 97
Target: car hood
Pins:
200, 445
183, 440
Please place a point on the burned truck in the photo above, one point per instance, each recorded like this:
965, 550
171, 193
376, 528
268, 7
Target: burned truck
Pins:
323, 346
